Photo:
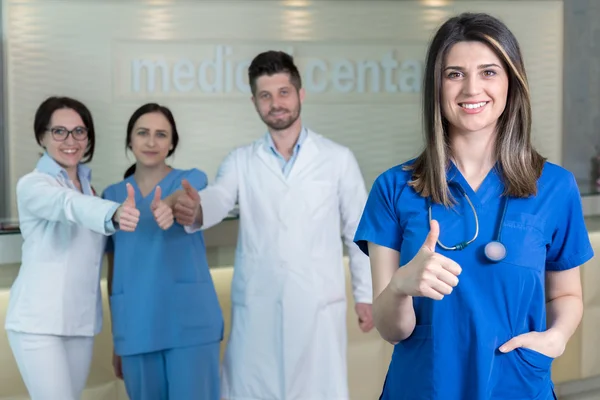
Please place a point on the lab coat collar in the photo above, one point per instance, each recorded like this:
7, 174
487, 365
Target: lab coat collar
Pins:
299, 142
47, 165
305, 157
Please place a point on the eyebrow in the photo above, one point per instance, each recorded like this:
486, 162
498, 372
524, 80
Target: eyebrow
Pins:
482, 66
279, 88
141, 128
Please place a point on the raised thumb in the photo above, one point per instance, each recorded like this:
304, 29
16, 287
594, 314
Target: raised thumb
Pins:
189, 190
130, 195
157, 196
432, 236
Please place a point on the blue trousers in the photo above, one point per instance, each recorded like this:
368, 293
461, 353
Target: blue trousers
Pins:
174, 374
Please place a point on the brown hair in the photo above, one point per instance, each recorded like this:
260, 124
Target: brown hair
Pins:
520, 165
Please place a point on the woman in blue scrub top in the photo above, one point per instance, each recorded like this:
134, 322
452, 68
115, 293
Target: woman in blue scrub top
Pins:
166, 320
488, 235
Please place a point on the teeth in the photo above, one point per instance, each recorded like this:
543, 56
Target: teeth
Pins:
475, 105
70, 151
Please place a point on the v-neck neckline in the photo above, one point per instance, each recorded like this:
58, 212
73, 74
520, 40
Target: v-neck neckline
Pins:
138, 191
490, 186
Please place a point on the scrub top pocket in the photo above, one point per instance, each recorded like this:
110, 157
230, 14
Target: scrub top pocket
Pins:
190, 304
522, 375
525, 242
118, 316
413, 363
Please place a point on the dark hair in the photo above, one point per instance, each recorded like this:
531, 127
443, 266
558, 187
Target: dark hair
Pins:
44, 113
519, 164
271, 63
143, 110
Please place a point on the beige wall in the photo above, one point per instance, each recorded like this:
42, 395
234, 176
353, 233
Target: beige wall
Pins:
92, 50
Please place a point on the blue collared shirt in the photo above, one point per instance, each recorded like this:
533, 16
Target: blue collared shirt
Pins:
286, 165
47, 165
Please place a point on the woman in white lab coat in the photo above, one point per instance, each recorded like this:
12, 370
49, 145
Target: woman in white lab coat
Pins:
55, 306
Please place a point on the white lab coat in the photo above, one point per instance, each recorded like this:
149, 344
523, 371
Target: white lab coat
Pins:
57, 291
288, 337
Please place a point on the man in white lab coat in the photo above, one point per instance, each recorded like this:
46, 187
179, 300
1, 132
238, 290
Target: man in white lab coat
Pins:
299, 195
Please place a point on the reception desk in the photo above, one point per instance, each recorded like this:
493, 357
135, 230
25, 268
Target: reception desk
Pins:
368, 354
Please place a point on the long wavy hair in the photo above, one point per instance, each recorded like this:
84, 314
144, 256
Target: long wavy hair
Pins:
519, 164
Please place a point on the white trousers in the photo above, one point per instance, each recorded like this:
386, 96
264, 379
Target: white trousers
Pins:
52, 367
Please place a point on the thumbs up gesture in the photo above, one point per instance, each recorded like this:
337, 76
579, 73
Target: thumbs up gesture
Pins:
127, 216
187, 205
161, 211
428, 274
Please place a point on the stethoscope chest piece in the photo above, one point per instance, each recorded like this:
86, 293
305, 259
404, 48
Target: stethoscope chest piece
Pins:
495, 251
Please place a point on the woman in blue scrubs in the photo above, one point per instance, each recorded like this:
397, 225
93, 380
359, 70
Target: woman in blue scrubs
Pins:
166, 320
488, 234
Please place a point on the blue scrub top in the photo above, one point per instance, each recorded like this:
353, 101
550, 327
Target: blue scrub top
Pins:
453, 351
163, 295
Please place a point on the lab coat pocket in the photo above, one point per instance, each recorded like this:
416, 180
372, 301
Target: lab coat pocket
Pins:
118, 316
318, 195
413, 362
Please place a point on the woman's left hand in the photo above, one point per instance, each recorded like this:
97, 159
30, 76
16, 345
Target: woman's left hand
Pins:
550, 343
161, 211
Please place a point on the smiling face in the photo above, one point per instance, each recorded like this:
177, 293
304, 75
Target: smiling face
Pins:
277, 101
151, 139
474, 88
66, 138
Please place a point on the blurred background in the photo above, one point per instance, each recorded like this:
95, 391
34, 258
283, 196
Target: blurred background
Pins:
361, 63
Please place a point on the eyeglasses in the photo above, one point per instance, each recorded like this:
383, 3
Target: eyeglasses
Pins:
60, 133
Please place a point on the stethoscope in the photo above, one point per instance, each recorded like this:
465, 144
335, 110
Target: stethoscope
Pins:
494, 251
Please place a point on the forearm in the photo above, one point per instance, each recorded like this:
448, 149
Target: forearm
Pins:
564, 314
394, 315
60, 204
215, 205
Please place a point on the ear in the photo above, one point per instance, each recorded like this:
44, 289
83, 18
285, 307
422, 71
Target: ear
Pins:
301, 94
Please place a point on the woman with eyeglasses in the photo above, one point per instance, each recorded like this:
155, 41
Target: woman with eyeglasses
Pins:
55, 307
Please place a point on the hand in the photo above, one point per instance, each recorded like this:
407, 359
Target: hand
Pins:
117, 366
428, 274
365, 316
161, 211
127, 216
187, 205
550, 343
